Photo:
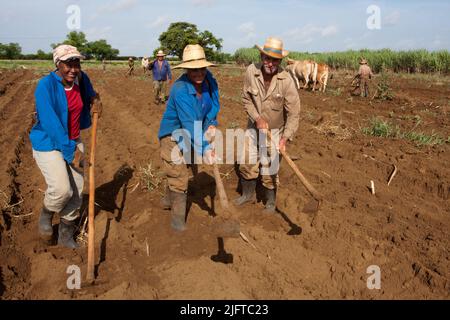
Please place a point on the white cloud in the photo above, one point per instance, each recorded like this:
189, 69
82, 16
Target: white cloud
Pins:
392, 19
96, 33
248, 28
309, 32
158, 22
329, 31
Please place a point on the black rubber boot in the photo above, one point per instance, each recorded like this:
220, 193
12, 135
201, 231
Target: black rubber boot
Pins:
248, 192
165, 201
270, 200
66, 230
45, 224
178, 201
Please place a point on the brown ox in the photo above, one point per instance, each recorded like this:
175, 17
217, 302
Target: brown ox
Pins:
320, 75
302, 70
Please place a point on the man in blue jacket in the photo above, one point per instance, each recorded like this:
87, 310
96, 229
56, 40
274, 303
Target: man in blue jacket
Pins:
161, 75
189, 119
64, 100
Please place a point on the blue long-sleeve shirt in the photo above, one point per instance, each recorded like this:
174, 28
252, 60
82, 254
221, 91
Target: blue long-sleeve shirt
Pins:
161, 74
185, 110
51, 130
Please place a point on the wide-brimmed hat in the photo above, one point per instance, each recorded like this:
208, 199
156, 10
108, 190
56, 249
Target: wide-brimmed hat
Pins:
160, 53
65, 52
362, 61
273, 48
130, 58
194, 58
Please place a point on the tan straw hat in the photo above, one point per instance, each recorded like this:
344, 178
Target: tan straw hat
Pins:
193, 58
160, 53
65, 52
362, 61
273, 48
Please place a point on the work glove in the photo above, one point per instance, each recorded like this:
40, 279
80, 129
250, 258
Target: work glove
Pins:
209, 157
210, 134
78, 161
96, 105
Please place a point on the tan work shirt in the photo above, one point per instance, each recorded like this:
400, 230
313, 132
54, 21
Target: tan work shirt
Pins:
365, 71
279, 106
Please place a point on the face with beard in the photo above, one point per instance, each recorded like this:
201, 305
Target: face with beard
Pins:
270, 65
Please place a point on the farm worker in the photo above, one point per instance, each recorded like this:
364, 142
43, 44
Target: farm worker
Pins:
191, 109
130, 66
271, 101
145, 64
64, 100
364, 74
161, 74
104, 64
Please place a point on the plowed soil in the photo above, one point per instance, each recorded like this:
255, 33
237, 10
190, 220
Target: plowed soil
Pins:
402, 228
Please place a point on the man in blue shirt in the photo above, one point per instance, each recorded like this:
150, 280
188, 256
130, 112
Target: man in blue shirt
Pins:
190, 118
161, 74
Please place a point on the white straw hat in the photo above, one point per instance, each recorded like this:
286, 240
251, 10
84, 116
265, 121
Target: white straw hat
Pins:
273, 48
194, 58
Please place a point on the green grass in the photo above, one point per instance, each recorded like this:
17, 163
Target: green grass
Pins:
385, 129
381, 128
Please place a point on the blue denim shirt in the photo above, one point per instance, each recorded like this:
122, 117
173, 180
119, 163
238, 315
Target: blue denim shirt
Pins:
184, 109
162, 74
51, 129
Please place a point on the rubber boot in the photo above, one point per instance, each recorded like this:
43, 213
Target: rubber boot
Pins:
270, 201
248, 192
66, 230
178, 201
165, 201
45, 224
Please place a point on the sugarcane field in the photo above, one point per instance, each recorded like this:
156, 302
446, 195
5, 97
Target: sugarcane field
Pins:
128, 175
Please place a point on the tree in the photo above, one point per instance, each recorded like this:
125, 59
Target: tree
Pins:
100, 50
76, 39
177, 36
41, 55
10, 51
208, 42
180, 34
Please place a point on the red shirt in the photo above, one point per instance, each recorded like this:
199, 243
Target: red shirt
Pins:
75, 104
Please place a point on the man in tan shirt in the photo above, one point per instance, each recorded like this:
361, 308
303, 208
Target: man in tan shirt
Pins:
364, 75
271, 101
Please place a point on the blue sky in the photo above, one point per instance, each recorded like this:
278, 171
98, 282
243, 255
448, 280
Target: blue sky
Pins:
133, 26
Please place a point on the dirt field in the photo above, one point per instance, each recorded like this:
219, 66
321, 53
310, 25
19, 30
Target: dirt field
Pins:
403, 228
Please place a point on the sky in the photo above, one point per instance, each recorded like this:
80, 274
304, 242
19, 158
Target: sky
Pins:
133, 26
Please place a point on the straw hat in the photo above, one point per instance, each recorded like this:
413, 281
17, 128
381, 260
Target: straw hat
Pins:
65, 52
273, 48
160, 53
193, 58
362, 61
